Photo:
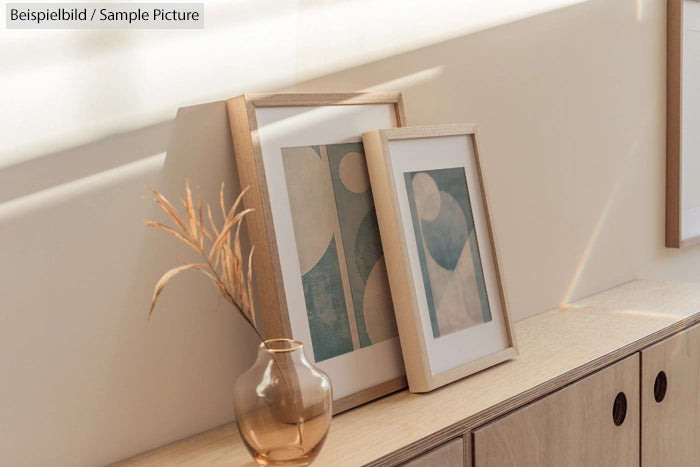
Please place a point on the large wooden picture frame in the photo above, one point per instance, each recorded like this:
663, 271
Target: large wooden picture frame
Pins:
318, 261
440, 252
683, 120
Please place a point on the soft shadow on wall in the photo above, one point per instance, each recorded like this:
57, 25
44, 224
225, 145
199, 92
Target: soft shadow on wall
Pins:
202, 343
567, 112
62, 168
70, 243
80, 288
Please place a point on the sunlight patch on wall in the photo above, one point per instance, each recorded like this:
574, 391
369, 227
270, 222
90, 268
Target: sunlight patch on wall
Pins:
588, 251
334, 35
81, 187
409, 80
61, 88
642, 10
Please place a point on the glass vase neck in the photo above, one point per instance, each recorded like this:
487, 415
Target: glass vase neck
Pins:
280, 345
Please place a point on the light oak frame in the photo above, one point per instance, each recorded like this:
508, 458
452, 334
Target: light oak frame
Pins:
272, 301
384, 187
674, 127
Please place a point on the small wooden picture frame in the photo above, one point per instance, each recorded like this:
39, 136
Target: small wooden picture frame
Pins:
440, 253
318, 263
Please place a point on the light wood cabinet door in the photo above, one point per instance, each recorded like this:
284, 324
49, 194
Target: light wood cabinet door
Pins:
671, 401
450, 454
579, 425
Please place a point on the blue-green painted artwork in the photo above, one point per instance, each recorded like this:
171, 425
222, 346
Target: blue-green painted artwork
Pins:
325, 307
346, 289
448, 249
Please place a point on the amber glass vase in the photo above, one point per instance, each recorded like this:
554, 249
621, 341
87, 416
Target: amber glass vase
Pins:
283, 405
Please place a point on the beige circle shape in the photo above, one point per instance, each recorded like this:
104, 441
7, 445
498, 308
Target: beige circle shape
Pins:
310, 193
353, 172
427, 196
377, 306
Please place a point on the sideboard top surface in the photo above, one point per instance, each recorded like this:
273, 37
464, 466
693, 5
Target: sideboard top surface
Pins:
556, 348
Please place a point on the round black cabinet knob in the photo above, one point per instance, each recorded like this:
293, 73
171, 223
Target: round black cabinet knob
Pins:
660, 385
619, 411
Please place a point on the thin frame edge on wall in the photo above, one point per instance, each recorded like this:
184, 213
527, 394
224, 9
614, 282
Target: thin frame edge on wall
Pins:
674, 126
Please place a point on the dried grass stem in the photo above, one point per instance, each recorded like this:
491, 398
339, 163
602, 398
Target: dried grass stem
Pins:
220, 250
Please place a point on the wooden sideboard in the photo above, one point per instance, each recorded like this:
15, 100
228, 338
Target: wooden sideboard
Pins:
557, 403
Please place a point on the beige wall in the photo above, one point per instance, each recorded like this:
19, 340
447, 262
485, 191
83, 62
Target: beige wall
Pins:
569, 96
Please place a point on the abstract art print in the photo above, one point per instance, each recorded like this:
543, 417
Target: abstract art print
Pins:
439, 251
448, 249
343, 273
319, 264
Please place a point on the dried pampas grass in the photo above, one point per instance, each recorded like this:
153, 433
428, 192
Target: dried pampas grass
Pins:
221, 256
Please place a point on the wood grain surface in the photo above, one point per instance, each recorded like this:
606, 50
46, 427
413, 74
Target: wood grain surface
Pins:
670, 434
571, 427
449, 454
